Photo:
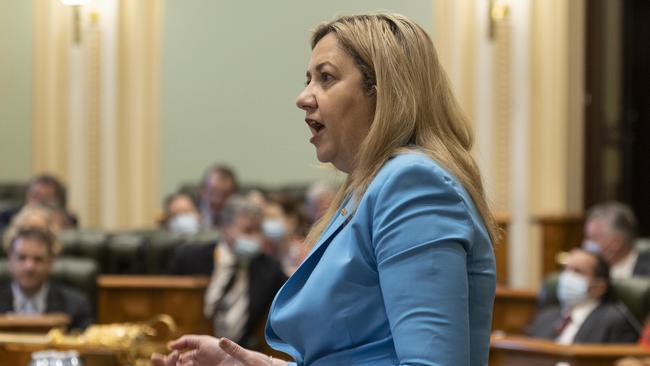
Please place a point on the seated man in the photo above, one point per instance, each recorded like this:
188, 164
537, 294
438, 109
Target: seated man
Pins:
31, 256
245, 279
585, 314
611, 229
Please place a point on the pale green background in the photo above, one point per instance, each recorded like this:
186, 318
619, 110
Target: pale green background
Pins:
230, 73
15, 90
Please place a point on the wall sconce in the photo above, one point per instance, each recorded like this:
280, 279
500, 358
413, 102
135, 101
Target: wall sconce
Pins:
76, 4
497, 11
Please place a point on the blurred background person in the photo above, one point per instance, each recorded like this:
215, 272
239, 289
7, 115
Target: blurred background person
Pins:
31, 253
181, 214
47, 190
611, 229
218, 183
35, 216
586, 313
245, 278
318, 199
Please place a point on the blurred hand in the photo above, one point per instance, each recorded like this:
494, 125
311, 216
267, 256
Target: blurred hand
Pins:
630, 361
201, 350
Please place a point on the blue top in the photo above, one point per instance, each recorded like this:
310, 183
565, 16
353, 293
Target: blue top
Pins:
404, 277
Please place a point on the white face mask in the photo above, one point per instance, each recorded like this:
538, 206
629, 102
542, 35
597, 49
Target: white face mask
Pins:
572, 288
184, 224
246, 247
274, 229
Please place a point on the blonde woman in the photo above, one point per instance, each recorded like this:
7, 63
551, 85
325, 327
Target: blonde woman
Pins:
402, 268
35, 216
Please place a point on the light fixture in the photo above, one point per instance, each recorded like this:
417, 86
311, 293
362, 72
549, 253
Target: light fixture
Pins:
76, 4
497, 12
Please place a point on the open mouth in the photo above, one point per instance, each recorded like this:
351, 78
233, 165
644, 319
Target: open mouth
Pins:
316, 126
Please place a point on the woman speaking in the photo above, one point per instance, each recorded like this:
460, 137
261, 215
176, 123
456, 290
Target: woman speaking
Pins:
402, 269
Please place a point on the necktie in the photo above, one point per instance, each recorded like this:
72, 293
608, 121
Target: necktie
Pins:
562, 323
29, 307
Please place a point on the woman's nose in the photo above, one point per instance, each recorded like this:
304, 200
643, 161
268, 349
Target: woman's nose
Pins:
306, 99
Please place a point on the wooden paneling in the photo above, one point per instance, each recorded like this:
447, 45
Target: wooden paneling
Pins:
501, 249
139, 298
560, 233
518, 351
513, 309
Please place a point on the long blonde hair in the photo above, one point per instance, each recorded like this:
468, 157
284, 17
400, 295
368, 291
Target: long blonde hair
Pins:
415, 106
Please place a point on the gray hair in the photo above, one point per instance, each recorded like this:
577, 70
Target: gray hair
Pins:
237, 205
619, 217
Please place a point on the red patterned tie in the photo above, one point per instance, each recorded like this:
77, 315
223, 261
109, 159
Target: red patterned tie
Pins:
562, 323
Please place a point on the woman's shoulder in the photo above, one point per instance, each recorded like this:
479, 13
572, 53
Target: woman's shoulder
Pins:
415, 173
413, 163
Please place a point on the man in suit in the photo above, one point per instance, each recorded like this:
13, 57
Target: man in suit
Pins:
611, 229
245, 279
30, 292
585, 313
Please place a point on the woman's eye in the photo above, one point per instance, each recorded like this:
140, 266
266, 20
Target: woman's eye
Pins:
325, 77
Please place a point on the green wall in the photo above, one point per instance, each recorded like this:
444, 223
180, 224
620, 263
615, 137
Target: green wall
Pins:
15, 90
230, 73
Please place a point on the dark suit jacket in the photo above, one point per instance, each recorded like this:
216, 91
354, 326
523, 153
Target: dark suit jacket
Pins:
60, 299
265, 276
605, 324
193, 259
642, 266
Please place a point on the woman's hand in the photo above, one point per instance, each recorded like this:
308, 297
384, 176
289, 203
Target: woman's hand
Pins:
201, 350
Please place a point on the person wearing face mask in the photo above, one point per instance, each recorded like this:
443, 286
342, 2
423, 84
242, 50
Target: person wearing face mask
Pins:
585, 313
611, 229
245, 279
181, 214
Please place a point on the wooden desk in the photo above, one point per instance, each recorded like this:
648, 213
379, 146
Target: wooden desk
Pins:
18, 323
138, 298
19, 353
518, 351
513, 309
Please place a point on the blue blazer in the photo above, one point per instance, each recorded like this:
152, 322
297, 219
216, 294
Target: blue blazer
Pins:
403, 276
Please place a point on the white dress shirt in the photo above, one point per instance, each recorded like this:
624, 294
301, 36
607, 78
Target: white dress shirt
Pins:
24, 304
625, 267
579, 313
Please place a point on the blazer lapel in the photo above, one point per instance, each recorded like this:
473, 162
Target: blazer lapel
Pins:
590, 331
343, 217
54, 302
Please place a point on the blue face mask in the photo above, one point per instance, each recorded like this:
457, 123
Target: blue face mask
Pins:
592, 247
572, 288
184, 224
246, 247
274, 229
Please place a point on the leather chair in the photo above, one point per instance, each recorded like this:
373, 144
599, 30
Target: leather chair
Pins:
125, 254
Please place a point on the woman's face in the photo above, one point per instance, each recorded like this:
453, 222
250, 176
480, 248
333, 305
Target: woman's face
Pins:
338, 110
